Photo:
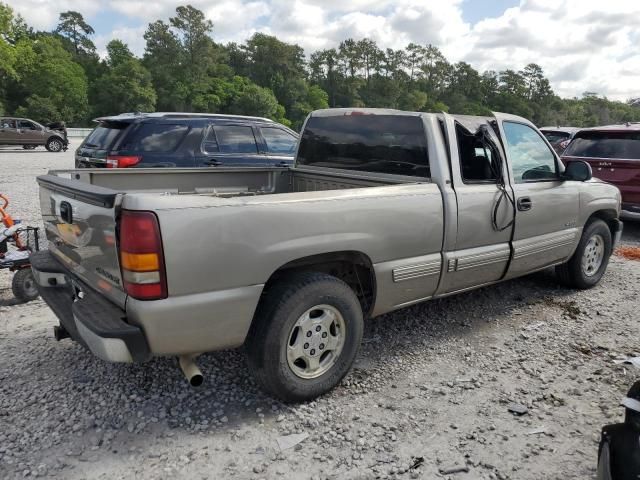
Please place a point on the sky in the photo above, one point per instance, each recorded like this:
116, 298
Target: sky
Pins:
582, 45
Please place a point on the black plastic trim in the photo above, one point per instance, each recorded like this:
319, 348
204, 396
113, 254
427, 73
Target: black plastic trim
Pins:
94, 311
93, 194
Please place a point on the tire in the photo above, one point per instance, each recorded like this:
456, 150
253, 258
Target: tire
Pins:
595, 243
54, 144
29, 147
24, 285
329, 311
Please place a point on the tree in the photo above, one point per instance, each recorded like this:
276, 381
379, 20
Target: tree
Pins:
162, 57
73, 27
252, 99
182, 59
513, 83
47, 71
414, 58
7, 50
126, 86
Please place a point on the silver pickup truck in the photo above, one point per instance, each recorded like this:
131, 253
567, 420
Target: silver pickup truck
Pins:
383, 209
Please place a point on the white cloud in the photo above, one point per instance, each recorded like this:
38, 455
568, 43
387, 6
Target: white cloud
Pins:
132, 36
581, 44
43, 14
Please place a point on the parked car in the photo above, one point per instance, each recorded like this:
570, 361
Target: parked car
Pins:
559, 137
613, 152
186, 140
30, 134
383, 209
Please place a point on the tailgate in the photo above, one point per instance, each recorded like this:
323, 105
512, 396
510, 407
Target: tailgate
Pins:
80, 223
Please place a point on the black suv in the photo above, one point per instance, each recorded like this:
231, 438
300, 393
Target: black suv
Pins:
186, 140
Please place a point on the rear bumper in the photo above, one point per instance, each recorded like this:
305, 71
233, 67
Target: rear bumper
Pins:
88, 317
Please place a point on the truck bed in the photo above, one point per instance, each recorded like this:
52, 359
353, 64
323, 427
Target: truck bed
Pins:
227, 182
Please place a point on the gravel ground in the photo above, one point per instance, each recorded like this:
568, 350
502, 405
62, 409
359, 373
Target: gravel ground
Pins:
430, 392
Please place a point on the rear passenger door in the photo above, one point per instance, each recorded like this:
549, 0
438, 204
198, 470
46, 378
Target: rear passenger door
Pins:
280, 145
482, 249
8, 132
547, 206
231, 145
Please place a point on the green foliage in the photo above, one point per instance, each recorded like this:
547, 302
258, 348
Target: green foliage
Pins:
41, 108
48, 74
251, 99
73, 27
59, 76
126, 85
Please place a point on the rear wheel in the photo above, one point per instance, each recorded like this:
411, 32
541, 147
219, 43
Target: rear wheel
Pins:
24, 285
54, 144
589, 262
305, 336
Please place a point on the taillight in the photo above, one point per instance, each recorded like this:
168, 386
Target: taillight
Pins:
141, 256
122, 161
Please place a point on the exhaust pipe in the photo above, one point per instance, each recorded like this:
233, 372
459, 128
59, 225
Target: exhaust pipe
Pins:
191, 370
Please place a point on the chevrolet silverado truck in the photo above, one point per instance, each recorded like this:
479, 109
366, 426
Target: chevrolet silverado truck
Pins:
382, 209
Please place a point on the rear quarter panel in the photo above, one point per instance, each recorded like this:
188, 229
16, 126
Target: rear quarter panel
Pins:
217, 243
219, 253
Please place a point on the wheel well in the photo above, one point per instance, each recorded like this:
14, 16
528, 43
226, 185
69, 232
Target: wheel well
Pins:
353, 268
610, 217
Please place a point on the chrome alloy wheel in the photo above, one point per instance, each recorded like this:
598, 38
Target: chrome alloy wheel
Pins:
593, 255
315, 341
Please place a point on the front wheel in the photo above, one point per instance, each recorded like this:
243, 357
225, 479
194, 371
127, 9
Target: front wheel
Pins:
54, 145
589, 262
305, 336
24, 285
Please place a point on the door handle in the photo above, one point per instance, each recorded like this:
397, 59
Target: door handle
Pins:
524, 204
213, 162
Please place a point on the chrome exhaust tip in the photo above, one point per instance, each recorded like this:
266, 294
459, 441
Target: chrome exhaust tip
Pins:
190, 370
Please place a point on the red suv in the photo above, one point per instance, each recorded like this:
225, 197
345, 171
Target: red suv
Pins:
613, 152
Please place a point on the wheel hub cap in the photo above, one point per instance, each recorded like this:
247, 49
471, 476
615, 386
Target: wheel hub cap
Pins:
593, 255
315, 341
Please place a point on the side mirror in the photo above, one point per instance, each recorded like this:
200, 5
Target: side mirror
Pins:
578, 170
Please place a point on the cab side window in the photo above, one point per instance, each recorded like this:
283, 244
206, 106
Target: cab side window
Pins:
479, 161
8, 123
531, 159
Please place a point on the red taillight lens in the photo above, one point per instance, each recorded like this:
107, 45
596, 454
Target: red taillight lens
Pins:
122, 161
141, 256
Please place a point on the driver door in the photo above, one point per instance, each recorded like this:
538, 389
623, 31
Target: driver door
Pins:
30, 134
546, 230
